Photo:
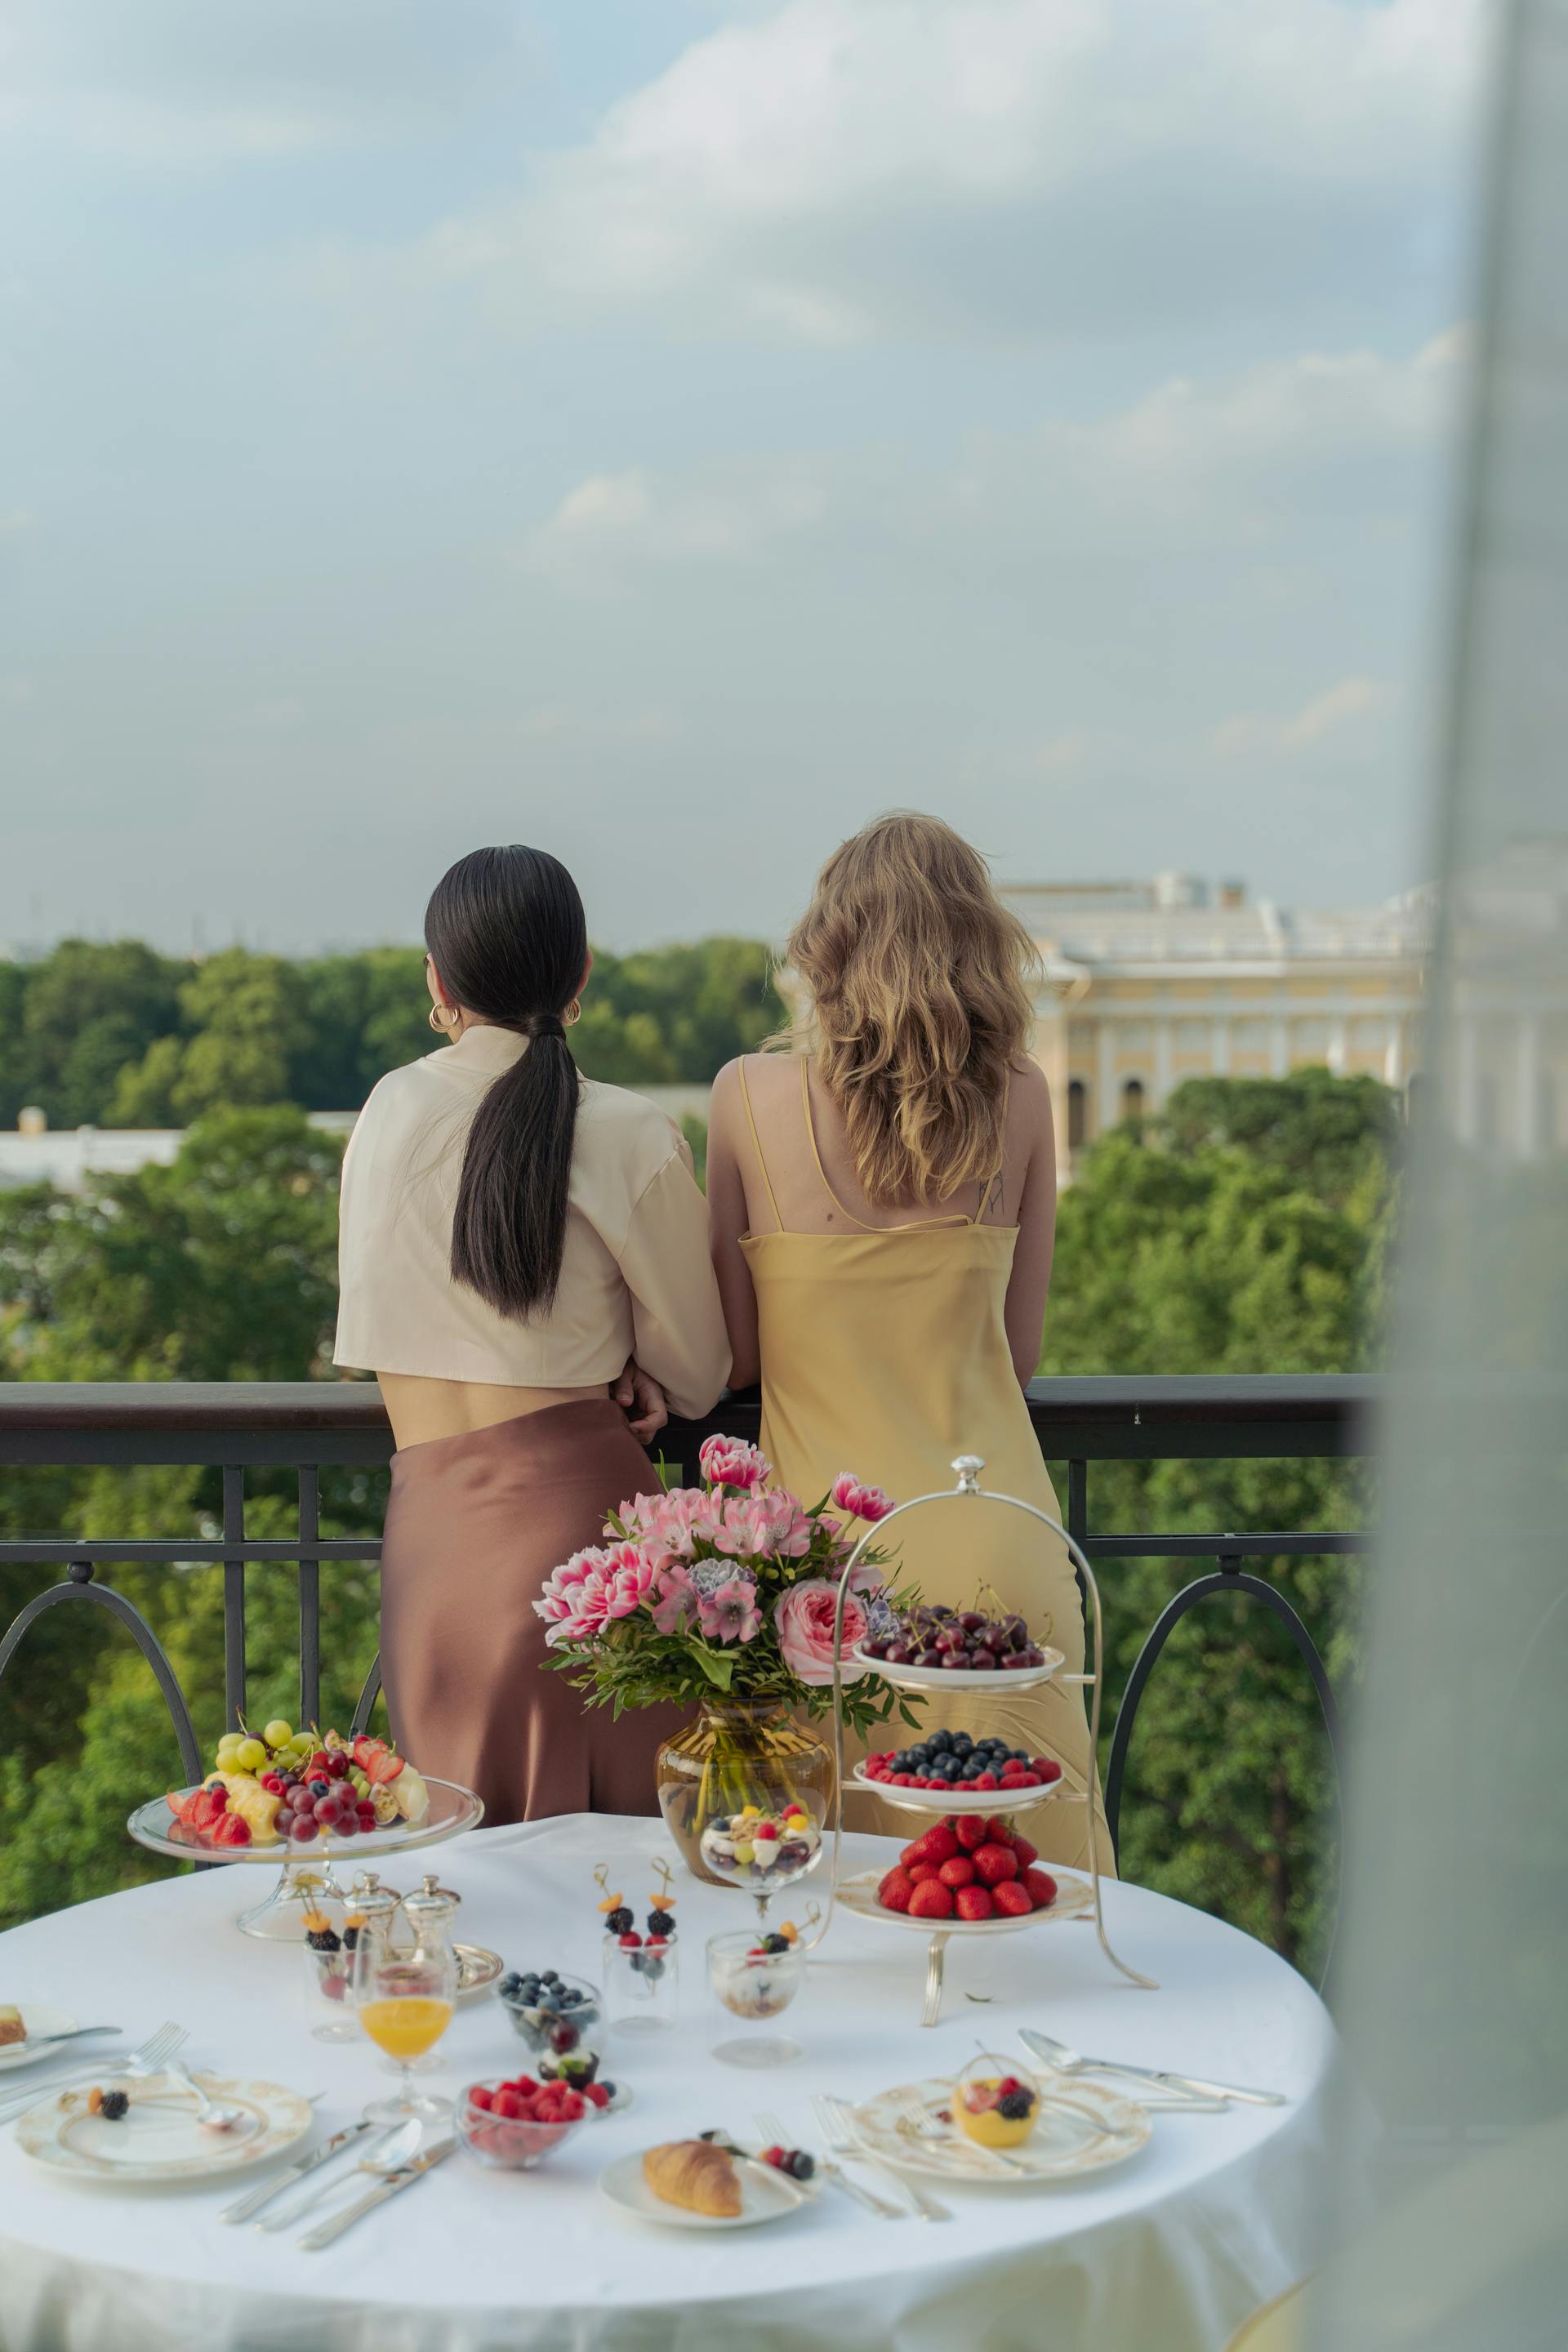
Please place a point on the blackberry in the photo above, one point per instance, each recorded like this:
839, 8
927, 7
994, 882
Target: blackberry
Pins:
775, 1944
800, 2165
617, 1922
661, 1923
350, 1939
112, 2105
1015, 2105
324, 1940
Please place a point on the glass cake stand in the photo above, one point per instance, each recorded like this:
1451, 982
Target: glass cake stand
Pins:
306, 1872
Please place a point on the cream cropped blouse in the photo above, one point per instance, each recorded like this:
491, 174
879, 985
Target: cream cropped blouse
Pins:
636, 1278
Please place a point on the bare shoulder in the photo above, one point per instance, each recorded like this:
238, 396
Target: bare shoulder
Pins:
1028, 1094
756, 1078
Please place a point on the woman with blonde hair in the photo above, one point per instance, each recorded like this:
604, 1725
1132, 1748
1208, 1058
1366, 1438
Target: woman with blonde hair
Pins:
882, 1208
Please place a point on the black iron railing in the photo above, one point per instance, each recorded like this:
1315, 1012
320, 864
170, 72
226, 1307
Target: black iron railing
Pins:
307, 1427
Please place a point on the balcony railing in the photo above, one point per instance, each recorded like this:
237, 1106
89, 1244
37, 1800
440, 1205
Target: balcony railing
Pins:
306, 1427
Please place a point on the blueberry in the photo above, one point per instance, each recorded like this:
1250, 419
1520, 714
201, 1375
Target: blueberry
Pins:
550, 1976
511, 1983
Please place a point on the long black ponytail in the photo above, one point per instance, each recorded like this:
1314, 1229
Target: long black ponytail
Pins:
506, 934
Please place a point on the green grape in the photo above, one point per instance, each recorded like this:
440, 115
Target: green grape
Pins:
279, 1733
250, 1756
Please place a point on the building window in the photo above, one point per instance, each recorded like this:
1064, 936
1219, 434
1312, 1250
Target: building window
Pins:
1078, 1114
1133, 1099
1194, 1036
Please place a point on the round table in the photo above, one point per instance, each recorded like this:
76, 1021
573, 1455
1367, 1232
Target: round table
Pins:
1172, 2249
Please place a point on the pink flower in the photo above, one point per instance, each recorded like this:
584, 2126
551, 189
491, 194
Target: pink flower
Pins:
730, 1613
727, 1462
574, 1602
804, 1619
676, 1601
629, 1575
676, 1522
860, 1502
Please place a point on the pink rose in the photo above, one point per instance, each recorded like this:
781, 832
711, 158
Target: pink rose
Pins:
860, 1502
727, 1462
803, 1620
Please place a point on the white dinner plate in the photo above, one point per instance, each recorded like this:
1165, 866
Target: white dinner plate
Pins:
1075, 1900
961, 1799
1083, 2127
964, 1686
159, 2137
40, 2017
624, 2184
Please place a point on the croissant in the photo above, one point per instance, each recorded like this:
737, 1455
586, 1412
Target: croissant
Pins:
695, 2174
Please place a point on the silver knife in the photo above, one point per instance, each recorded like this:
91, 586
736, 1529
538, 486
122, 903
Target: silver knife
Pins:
242, 2209
1158, 2074
316, 2239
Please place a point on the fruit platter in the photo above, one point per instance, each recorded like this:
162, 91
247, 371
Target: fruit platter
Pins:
933, 1647
968, 1874
302, 1799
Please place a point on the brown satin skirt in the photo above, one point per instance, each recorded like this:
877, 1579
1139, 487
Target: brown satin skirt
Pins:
474, 1526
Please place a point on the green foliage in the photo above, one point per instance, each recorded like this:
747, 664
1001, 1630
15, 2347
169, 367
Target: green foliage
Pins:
1217, 1247
118, 1036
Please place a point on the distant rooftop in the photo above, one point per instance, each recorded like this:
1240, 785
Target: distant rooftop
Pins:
1178, 918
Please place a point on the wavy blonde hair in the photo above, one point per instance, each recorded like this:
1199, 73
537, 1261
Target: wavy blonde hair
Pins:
915, 972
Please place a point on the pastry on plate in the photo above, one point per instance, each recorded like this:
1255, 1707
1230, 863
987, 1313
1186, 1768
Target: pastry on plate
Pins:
695, 2174
12, 2029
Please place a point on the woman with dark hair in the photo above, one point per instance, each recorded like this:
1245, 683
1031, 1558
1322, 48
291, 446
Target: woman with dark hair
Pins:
523, 1258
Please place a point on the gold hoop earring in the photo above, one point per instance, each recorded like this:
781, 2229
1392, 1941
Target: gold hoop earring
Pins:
573, 1013
444, 1017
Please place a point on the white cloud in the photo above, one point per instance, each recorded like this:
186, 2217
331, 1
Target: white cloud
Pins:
721, 514
844, 169
1337, 707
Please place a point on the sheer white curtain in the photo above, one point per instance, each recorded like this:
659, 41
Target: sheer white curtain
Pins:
1452, 1983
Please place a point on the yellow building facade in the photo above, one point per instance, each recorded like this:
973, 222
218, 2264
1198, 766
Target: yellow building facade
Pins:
1146, 983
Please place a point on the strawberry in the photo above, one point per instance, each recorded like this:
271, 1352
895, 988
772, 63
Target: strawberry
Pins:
526, 2084
896, 1889
970, 1830
1013, 1898
993, 1862
573, 2107
999, 1829
1025, 1853
229, 1829
506, 2104
921, 1871
1042, 1888
930, 1900
957, 1873
939, 1844
479, 2097
973, 1902
375, 1760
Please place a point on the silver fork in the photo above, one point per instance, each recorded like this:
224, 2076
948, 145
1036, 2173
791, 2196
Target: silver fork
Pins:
772, 2135
833, 2119
148, 2058
1204, 2096
923, 2124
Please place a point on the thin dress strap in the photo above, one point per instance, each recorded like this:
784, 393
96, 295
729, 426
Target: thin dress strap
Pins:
919, 1225
757, 1144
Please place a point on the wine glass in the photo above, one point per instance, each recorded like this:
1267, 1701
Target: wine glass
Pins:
403, 1996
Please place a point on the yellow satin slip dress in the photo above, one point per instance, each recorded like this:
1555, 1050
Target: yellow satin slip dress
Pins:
884, 1351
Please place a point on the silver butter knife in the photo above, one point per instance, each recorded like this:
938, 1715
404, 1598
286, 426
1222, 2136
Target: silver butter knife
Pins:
1042, 2047
244, 2207
421, 2164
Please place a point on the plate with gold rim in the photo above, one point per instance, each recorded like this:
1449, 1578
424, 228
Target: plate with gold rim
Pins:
159, 2138
40, 2019
1083, 2128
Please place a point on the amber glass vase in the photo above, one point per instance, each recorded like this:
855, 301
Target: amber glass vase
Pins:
738, 1754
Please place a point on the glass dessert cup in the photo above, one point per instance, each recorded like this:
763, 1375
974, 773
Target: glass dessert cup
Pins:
561, 2026
755, 1987
642, 1987
328, 1966
994, 2103
763, 1854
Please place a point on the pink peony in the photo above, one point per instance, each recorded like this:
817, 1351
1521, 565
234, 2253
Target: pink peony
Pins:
574, 1602
728, 1462
629, 1575
730, 1613
867, 1503
803, 1620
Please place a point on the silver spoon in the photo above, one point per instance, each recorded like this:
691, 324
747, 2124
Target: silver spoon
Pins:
211, 2113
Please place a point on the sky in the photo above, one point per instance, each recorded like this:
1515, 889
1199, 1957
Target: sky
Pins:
671, 432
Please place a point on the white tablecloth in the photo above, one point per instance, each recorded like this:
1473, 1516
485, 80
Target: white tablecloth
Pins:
1165, 2254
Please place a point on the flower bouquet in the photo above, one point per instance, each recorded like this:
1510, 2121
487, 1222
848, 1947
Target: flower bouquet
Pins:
722, 1597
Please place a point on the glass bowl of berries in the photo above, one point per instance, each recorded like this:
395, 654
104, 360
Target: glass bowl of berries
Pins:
560, 2018
994, 2103
512, 2124
641, 1966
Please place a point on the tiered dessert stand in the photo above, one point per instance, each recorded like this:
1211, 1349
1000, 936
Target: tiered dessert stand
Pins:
307, 1873
1078, 1895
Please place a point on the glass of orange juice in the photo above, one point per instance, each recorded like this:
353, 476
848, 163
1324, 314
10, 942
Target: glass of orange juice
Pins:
404, 1995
